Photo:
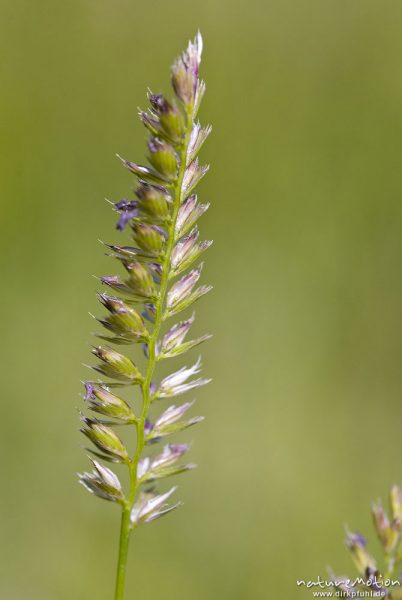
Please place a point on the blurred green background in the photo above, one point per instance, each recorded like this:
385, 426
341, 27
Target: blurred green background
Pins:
304, 415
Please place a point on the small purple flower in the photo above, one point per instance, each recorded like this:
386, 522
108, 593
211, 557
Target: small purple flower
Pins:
128, 210
355, 539
148, 427
158, 103
89, 390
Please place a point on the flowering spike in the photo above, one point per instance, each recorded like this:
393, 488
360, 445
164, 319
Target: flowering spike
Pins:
383, 580
155, 282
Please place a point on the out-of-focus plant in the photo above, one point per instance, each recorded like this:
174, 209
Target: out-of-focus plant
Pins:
160, 282
377, 578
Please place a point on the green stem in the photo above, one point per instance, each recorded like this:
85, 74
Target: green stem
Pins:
123, 553
145, 387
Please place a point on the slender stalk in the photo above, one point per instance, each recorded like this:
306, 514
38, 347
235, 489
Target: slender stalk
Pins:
123, 552
125, 530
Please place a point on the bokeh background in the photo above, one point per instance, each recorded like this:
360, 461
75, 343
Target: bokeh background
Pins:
304, 415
